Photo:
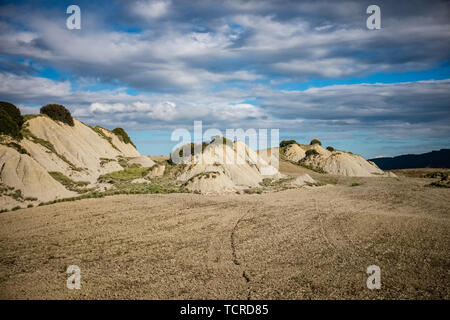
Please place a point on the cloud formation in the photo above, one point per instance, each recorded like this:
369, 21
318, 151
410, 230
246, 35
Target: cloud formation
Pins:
162, 64
197, 45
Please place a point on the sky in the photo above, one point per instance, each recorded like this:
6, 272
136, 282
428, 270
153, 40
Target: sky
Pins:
311, 69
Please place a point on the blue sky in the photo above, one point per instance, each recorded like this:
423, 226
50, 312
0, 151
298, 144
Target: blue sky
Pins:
308, 68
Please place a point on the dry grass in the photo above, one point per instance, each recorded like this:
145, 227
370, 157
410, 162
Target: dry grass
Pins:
420, 173
127, 174
77, 186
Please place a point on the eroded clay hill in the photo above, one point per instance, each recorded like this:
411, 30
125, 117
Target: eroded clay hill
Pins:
330, 161
50, 149
224, 167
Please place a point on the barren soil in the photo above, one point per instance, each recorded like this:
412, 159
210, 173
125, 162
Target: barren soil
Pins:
308, 243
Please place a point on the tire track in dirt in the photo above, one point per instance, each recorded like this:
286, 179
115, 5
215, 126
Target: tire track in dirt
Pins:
333, 241
235, 258
335, 235
358, 256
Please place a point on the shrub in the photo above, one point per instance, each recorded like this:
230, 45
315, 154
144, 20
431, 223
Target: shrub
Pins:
219, 139
59, 113
330, 149
190, 150
8, 126
285, 143
310, 153
315, 169
16, 208
123, 136
13, 112
315, 141
444, 182
440, 184
186, 147
437, 174
17, 195
328, 180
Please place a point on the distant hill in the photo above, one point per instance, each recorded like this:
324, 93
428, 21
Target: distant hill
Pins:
433, 159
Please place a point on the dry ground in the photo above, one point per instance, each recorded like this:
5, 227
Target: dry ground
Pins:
309, 243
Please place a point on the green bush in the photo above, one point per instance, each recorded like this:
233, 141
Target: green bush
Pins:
330, 149
13, 112
219, 139
8, 126
315, 141
59, 113
311, 152
188, 147
123, 136
285, 143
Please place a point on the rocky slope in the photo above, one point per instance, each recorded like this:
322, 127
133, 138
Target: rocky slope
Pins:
331, 161
226, 167
52, 149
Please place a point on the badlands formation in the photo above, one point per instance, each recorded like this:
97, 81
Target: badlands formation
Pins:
54, 160
223, 167
331, 161
79, 152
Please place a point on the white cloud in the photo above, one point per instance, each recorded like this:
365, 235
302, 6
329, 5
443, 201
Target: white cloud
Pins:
30, 87
300, 41
150, 9
239, 111
329, 68
195, 61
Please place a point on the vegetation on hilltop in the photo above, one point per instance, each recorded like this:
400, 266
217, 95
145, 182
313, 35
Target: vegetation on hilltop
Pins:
58, 112
13, 112
285, 143
123, 136
311, 153
315, 141
11, 120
